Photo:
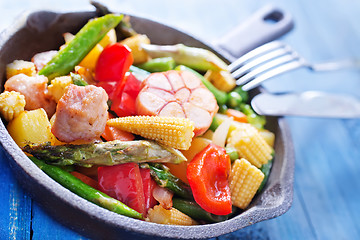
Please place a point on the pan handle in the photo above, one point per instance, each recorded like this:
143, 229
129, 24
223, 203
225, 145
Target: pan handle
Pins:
265, 25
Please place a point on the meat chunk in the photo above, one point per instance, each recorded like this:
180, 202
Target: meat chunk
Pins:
81, 113
178, 94
35, 91
41, 59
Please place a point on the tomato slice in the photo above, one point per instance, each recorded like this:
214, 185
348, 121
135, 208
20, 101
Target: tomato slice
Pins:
208, 174
113, 62
124, 183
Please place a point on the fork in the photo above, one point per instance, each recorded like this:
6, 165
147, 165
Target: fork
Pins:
275, 58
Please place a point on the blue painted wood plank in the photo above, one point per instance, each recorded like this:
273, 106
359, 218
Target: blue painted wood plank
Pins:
15, 211
45, 227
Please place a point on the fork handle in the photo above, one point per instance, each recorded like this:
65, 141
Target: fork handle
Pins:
265, 25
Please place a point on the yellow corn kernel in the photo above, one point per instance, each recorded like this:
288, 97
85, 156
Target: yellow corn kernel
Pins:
11, 104
170, 131
58, 86
20, 66
222, 80
160, 215
248, 142
134, 43
268, 136
245, 180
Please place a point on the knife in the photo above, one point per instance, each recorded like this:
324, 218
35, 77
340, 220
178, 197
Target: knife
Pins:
307, 104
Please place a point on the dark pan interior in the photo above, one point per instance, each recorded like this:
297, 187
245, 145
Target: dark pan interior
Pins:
41, 31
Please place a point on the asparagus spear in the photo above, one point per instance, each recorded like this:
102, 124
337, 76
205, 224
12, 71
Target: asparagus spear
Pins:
85, 191
164, 178
196, 58
105, 153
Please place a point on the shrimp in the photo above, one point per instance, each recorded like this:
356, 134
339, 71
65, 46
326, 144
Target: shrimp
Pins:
179, 94
81, 113
34, 89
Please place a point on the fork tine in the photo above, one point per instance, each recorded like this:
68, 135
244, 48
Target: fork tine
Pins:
260, 60
253, 53
273, 72
267, 66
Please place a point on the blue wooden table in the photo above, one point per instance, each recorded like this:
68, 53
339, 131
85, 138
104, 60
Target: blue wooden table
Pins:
326, 201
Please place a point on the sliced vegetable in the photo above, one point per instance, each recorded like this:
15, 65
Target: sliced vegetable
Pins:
78, 80
124, 183
222, 79
124, 99
30, 126
256, 120
245, 180
112, 133
196, 58
208, 174
85, 179
236, 115
139, 73
114, 61
160, 215
220, 134
148, 185
85, 191
232, 152
134, 43
164, 178
70, 56
234, 99
158, 64
105, 153
170, 131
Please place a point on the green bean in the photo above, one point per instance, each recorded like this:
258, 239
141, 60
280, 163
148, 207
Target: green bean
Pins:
232, 152
158, 64
192, 209
85, 40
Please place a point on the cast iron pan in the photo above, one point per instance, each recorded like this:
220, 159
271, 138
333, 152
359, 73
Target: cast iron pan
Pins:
42, 31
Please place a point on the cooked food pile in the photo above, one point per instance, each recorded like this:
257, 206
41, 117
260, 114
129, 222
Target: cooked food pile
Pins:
154, 132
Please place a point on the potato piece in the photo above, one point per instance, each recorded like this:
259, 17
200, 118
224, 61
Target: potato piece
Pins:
222, 80
134, 43
31, 127
20, 66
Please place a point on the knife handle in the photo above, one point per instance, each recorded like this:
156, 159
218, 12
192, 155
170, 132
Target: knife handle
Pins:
265, 25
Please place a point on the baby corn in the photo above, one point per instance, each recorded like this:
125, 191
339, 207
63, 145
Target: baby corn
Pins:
158, 214
11, 104
245, 180
250, 145
171, 131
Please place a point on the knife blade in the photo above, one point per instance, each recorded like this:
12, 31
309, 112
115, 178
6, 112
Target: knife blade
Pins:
307, 104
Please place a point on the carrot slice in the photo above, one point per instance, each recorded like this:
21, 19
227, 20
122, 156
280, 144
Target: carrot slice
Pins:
236, 115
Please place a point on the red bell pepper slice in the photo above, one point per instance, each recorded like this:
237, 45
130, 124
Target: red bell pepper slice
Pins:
124, 97
113, 62
208, 174
149, 185
124, 183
